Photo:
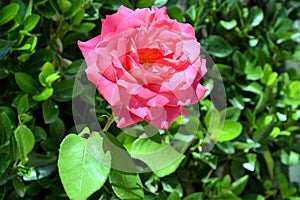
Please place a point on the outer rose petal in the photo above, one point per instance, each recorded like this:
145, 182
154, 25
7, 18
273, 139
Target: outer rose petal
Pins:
111, 22
89, 46
187, 28
126, 118
167, 115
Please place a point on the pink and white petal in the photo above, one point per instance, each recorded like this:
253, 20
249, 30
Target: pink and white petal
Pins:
167, 115
187, 28
126, 118
109, 90
89, 46
200, 91
141, 112
93, 74
160, 12
158, 101
110, 24
191, 49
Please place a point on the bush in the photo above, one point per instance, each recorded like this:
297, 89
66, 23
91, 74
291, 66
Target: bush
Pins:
255, 45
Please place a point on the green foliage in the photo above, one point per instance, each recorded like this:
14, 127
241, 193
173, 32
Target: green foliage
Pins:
80, 164
255, 45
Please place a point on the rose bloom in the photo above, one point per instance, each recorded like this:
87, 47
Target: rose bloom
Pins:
146, 65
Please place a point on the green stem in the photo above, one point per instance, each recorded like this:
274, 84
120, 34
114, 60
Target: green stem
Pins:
110, 120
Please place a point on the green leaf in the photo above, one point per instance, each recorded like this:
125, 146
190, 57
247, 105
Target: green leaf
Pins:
165, 171
57, 129
39, 58
76, 20
125, 185
239, 61
64, 5
160, 3
239, 185
269, 162
255, 17
81, 165
149, 151
47, 70
5, 159
9, 111
46, 10
175, 12
194, 196
84, 27
27, 83
282, 25
253, 73
228, 25
51, 78
44, 95
170, 184
25, 139
283, 185
230, 131
118, 153
50, 111
289, 159
144, 3
30, 22
217, 46
226, 147
294, 89
40, 133
253, 87
192, 12
275, 132
6, 128
71, 12
19, 187
263, 133
250, 165
67, 89
173, 196
8, 12
272, 78
5, 46
74, 68
23, 104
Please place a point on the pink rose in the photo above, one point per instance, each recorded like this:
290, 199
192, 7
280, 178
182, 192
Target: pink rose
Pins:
146, 65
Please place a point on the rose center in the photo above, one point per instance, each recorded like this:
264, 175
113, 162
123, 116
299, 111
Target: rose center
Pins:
147, 57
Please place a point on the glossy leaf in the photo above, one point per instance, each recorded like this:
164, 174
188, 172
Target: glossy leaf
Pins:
149, 151
27, 83
230, 131
228, 24
6, 128
217, 46
8, 12
50, 111
47, 70
23, 104
80, 165
125, 185
256, 16
25, 139
5, 46
44, 95
31, 21
67, 89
